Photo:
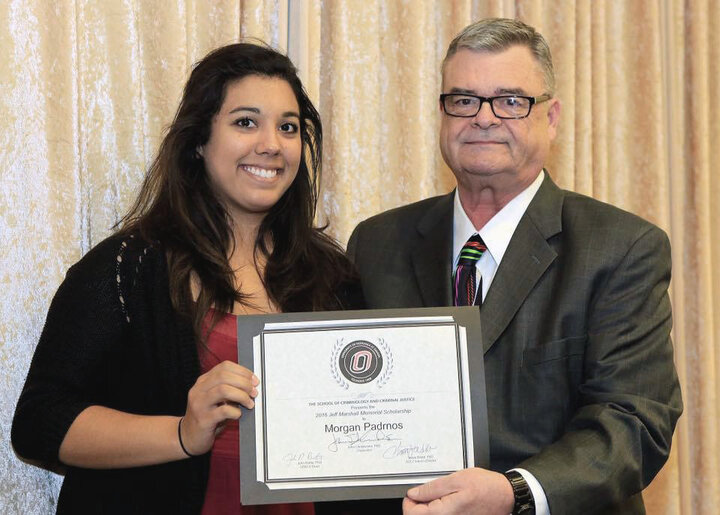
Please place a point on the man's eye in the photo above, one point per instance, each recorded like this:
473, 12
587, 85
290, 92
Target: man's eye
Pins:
513, 102
465, 101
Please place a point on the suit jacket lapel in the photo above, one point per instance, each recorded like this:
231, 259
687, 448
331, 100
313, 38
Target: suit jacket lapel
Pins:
432, 255
526, 259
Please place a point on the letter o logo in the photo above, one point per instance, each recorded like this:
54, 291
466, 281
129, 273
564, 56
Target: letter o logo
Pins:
360, 361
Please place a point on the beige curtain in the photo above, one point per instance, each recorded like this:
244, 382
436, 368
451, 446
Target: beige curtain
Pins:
86, 88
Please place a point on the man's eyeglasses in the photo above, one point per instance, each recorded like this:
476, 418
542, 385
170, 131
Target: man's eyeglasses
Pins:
507, 107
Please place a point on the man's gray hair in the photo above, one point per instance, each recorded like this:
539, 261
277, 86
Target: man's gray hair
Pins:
498, 34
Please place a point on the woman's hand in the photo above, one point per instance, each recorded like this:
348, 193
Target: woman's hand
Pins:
105, 438
214, 399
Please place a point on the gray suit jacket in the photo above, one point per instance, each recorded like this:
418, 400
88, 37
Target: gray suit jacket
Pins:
582, 389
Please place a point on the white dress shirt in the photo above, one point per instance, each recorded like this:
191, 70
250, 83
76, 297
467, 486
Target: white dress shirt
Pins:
496, 234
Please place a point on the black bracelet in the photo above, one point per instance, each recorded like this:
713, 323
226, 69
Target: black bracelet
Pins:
181, 442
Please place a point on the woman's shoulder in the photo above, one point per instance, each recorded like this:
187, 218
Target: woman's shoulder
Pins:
115, 252
114, 266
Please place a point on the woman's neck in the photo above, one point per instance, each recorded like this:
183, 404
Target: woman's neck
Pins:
248, 266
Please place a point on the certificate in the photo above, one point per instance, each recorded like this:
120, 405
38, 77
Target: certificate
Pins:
360, 404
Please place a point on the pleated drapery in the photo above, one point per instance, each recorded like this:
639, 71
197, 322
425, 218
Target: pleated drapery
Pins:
87, 87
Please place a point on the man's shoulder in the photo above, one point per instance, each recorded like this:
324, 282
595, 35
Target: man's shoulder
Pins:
584, 217
589, 210
407, 215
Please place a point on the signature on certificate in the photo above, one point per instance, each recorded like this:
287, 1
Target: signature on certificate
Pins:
399, 449
355, 439
300, 457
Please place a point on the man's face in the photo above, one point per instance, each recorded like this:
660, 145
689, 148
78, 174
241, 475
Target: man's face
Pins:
488, 150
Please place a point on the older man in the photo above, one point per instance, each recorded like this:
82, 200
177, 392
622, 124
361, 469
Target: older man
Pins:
582, 392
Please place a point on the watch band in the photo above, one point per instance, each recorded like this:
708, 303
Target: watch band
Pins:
524, 500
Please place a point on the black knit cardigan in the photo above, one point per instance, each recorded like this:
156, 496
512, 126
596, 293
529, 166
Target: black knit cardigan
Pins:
112, 338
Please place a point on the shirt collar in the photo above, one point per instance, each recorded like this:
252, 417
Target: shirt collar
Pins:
498, 231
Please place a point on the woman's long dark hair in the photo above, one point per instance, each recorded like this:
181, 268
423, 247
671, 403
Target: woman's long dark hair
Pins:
176, 204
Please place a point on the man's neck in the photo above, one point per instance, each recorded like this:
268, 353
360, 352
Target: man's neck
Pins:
482, 201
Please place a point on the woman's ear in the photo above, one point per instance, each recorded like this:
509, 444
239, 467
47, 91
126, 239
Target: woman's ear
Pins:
199, 152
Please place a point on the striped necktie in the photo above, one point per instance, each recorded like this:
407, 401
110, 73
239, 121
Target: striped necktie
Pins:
464, 276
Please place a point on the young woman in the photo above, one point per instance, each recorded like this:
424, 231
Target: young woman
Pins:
134, 387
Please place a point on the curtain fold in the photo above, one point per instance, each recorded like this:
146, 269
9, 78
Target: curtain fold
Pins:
87, 87
86, 90
694, 132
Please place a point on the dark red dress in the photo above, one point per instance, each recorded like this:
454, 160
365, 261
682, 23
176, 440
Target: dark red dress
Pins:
223, 490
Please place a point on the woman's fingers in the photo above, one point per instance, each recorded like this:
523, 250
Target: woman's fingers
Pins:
225, 384
227, 394
229, 373
222, 413
217, 396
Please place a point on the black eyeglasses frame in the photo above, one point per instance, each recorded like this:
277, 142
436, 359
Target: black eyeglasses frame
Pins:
533, 100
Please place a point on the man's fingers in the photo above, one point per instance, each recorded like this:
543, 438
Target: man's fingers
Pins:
409, 507
433, 490
434, 507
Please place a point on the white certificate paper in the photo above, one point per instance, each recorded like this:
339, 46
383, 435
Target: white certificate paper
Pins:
359, 402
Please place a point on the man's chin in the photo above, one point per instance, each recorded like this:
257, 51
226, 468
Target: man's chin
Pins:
483, 171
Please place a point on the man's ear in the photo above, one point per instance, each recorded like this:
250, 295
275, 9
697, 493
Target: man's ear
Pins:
553, 115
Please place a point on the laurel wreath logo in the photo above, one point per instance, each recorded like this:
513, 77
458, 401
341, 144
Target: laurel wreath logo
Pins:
334, 370
385, 374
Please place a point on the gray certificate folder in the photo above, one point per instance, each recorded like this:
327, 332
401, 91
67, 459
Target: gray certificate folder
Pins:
360, 404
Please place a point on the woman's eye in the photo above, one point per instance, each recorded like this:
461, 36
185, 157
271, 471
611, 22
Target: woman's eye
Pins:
290, 128
245, 122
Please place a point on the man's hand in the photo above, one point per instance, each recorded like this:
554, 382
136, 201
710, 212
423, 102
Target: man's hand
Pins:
467, 491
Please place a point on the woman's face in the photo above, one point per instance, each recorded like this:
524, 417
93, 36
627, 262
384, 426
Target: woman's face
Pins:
254, 149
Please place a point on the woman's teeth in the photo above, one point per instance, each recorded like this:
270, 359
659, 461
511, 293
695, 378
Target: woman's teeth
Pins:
266, 173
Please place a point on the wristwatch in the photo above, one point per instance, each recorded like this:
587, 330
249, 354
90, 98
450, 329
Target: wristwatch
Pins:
524, 501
